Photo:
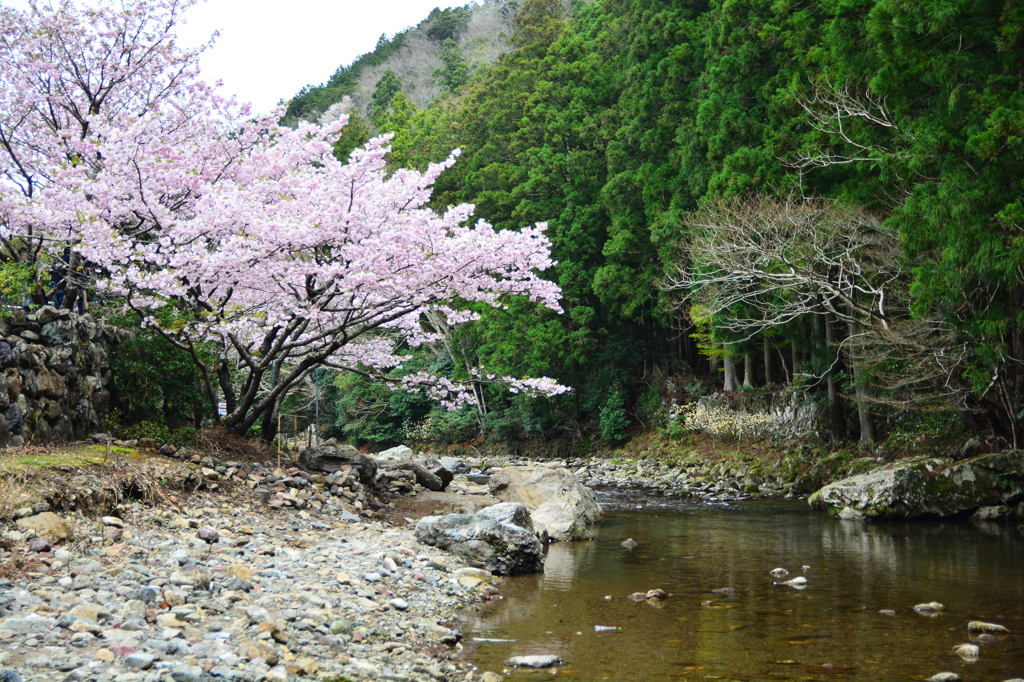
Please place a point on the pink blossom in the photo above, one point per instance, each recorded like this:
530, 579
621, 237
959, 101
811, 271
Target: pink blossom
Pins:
267, 246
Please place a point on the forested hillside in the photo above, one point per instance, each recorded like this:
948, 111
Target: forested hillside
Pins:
823, 197
426, 61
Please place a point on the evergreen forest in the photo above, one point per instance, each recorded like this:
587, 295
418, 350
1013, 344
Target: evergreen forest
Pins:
750, 196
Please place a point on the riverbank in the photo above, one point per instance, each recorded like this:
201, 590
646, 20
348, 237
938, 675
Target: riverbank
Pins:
236, 564
159, 569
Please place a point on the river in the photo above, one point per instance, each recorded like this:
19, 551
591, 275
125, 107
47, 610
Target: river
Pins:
830, 630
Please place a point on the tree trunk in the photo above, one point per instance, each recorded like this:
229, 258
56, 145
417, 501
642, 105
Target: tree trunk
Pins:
867, 423
786, 376
748, 370
819, 345
226, 387
767, 361
794, 346
730, 370
268, 429
835, 405
693, 355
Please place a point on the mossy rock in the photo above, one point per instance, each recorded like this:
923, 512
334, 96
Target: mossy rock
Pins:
929, 487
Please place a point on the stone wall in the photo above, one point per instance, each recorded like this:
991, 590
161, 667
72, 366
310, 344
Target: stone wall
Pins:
782, 415
54, 376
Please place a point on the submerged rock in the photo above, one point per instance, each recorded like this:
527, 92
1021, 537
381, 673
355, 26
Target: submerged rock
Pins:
930, 607
944, 677
928, 486
798, 581
968, 652
989, 628
535, 661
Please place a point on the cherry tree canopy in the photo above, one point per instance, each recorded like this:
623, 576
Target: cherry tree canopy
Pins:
266, 247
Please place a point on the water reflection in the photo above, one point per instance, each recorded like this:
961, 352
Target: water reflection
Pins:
832, 629
565, 562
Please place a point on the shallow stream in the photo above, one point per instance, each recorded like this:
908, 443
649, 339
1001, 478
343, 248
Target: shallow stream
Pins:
830, 630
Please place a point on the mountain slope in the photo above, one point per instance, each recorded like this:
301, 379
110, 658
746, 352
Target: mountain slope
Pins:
480, 32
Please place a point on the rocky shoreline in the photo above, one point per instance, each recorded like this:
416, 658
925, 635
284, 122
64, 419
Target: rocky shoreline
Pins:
279, 596
261, 573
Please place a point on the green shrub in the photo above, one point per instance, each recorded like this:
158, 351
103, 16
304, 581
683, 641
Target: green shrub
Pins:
153, 381
158, 432
183, 436
613, 420
16, 279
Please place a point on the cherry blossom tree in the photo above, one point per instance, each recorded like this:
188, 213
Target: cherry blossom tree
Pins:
227, 231
64, 72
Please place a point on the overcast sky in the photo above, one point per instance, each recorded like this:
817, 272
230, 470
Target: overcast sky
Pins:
268, 50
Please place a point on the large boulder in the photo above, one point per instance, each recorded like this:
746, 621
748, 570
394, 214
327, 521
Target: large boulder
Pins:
559, 505
395, 453
455, 465
483, 542
331, 457
435, 467
510, 513
424, 477
927, 487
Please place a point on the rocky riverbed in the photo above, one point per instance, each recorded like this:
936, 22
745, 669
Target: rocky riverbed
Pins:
226, 570
278, 596
264, 572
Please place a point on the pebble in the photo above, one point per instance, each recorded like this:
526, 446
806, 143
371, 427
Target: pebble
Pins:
303, 596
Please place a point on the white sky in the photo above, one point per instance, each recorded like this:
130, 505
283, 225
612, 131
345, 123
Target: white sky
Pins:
268, 50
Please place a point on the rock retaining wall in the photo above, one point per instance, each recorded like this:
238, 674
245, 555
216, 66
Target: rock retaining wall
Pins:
54, 376
782, 415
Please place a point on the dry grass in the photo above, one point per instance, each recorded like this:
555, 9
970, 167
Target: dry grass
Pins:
12, 496
223, 444
117, 477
